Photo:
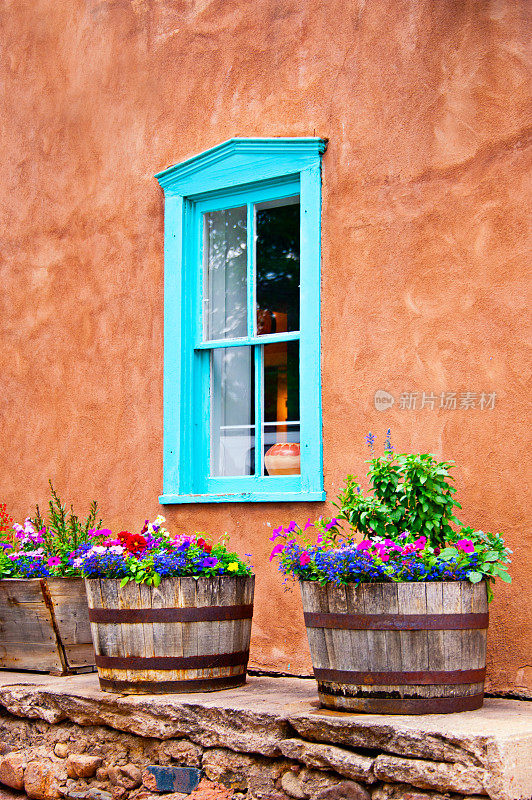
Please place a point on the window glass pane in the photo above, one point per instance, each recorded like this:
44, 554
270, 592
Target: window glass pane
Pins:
277, 264
232, 411
224, 272
281, 409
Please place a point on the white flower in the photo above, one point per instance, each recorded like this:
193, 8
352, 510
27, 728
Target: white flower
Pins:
77, 563
117, 549
35, 553
98, 550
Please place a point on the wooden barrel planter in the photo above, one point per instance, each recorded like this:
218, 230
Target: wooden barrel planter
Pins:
186, 635
44, 625
398, 648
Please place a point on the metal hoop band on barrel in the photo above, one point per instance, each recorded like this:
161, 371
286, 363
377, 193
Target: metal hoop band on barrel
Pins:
450, 678
397, 622
174, 662
429, 705
196, 614
168, 687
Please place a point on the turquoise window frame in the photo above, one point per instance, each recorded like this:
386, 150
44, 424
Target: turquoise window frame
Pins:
237, 172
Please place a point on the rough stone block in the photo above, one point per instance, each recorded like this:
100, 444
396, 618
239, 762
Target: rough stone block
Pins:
343, 790
402, 791
99, 794
211, 791
183, 751
42, 779
6, 794
241, 771
12, 768
431, 775
171, 779
292, 785
61, 750
127, 776
324, 756
82, 766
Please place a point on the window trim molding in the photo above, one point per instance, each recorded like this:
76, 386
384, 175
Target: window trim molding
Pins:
230, 166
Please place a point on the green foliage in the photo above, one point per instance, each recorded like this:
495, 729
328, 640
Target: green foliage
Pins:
411, 493
64, 531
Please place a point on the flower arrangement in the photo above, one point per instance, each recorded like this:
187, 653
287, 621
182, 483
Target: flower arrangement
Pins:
39, 549
154, 554
408, 526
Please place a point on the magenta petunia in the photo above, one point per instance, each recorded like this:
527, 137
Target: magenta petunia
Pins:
276, 533
304, 559
291, 528
53, 561
278, 548
308, 525
365, 545
466, 545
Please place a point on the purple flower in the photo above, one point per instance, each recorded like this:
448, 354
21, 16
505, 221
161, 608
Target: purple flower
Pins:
370, 440
308, 525
331, 524
388, 446
209, 562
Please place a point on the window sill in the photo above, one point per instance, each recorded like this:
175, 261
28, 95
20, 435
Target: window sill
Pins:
244, 497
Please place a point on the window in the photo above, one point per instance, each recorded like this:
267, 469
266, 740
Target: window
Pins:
242, 323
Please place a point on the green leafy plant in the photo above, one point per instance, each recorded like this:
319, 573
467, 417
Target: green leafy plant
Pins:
65, 530
411, 492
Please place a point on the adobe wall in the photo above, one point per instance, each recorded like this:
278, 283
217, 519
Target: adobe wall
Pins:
424, 244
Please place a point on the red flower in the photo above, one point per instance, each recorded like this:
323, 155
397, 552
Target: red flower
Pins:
135, 543
202, 543
123, 536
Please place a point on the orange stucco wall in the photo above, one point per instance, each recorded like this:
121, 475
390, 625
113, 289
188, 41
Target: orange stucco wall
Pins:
424, 244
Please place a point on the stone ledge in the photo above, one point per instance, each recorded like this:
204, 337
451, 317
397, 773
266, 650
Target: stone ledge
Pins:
280, 718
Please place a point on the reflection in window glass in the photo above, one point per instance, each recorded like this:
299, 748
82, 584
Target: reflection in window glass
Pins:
277, 257
224, 270
232, 411
281, 408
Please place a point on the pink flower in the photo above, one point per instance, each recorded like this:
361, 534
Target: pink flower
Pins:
53, 561
308, 525
365, 545
331, 524
276, 533
279, 547
466, 545
413, 547
291, 528
304, 559
382, 552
